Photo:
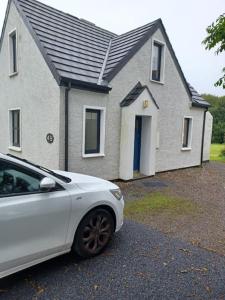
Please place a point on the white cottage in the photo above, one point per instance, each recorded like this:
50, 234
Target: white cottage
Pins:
76, 97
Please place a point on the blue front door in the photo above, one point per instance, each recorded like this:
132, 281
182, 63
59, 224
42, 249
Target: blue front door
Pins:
137, 143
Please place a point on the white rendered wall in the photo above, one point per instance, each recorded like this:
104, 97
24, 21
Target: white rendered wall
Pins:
208, 136
148, 138
35, 92
174, 103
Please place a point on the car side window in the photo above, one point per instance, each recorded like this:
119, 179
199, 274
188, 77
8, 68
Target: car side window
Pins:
15, 180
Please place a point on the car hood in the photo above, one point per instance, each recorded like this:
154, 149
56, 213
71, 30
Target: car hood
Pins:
89, 183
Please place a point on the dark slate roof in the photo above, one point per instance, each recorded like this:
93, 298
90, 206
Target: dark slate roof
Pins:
197, 100
81, 53
77, 50
123, 45
135, 93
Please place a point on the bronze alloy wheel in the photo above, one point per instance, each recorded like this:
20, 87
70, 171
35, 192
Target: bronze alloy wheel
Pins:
94, 233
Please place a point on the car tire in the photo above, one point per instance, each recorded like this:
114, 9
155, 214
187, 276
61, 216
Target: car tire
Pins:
93, 233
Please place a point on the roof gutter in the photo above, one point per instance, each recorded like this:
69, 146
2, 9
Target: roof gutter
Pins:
82, 85
194, 104
67, 90
203, 135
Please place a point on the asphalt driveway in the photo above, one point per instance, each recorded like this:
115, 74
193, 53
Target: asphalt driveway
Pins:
140, 263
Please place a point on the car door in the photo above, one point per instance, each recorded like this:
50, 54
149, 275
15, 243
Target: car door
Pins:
33, 223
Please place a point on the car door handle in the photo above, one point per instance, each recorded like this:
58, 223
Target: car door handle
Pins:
78, 198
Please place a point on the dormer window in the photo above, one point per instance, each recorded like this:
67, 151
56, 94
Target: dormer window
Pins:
13, 53
157, 62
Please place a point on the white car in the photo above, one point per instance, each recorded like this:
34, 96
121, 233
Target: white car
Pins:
46, 213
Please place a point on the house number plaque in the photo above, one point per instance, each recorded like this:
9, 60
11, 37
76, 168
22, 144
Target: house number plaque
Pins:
50, 138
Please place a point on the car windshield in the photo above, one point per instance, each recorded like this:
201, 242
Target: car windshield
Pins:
59, 176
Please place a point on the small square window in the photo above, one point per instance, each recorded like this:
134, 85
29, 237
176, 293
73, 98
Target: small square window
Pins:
15, 131
13, 52
187, 132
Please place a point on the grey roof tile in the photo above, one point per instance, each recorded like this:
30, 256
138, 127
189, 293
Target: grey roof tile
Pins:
76, 47
122, 45
79, 51
197, 100
135, 93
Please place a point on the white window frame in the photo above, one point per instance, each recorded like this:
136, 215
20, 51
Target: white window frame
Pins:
102, 131
11, 72
162, 70
11, 147
189, 147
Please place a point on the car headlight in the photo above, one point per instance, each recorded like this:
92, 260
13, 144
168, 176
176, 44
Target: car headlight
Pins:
117, 193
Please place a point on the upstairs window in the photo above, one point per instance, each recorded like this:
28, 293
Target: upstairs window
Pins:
187, 133
13, 52
15, 132
157, 61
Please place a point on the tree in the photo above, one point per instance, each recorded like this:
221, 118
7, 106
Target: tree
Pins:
216, 38
218, 111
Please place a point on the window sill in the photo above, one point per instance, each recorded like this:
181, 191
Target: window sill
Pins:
17, 149
186, 149
93, 155
13, 74
159, 82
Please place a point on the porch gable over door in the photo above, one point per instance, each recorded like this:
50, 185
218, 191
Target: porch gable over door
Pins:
139, 102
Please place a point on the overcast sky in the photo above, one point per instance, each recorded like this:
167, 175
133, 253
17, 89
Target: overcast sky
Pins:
185, 23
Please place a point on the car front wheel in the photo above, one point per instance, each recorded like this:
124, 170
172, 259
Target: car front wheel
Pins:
93, 233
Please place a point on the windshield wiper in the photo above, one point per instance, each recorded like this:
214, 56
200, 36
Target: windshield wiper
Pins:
64, 178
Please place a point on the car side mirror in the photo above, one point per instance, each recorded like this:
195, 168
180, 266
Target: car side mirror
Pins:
47, 184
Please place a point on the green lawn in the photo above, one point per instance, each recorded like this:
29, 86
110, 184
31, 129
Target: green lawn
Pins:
216, 152
157, 203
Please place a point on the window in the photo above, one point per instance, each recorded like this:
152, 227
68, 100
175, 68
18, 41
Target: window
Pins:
187, 133
94, 131
15, 128
16, 180
157, 61
13, 52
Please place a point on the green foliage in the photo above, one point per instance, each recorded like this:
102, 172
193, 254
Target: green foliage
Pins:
215, 153
218, 111
216, 38
222, 152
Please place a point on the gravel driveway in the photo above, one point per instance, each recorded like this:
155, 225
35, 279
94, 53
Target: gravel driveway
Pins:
204, 187
140, 263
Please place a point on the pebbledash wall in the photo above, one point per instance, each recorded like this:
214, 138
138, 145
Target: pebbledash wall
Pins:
35, 92
173, 101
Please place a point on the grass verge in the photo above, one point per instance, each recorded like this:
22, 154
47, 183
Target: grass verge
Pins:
215, 153
159, 203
